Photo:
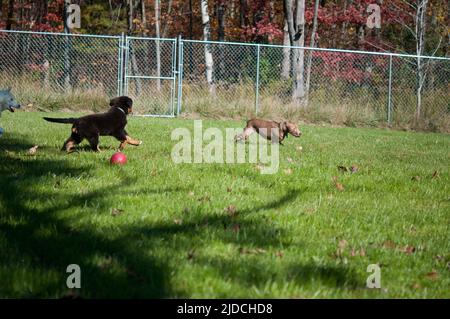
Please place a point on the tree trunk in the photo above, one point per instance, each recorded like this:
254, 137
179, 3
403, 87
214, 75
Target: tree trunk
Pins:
271, 18
190, 19
286, 64
311, 45
297, 38
208, 53
67, 47
144, 17
9, 19
221, 7
344, 24
132, 54
158, 46
244, 14
420, 46
221, 20
169, 10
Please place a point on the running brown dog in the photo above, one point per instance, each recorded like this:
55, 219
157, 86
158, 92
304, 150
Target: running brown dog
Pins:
268, 129
91, 127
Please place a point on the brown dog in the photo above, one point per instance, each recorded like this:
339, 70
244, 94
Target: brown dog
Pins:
268, 129
90, 127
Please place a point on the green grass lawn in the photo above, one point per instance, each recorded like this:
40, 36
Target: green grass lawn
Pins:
156, 229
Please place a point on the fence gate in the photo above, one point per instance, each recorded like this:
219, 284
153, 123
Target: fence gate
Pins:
149, 75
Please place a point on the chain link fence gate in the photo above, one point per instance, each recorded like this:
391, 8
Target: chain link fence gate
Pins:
150, 74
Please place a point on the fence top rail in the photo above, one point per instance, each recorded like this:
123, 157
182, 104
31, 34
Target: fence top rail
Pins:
64, 34
152, 39
387, 54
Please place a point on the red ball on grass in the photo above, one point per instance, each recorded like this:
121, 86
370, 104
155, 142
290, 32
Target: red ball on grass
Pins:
118, 158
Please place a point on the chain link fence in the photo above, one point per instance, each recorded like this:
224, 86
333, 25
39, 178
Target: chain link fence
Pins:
79, 72
317, 85
222, 79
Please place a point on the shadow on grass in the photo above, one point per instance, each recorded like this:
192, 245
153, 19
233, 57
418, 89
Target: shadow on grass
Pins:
37, 240
37, 243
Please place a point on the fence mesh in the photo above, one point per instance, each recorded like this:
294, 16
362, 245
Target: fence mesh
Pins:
42, 66
149, 75
348, 88
227, 79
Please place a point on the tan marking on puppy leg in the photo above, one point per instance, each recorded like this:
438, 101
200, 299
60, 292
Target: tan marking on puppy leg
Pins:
247, 132
132, 141
122, 145
69, 145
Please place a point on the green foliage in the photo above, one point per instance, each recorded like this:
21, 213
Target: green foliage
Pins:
96, 19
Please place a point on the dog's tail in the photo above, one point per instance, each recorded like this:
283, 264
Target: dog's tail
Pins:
64, 121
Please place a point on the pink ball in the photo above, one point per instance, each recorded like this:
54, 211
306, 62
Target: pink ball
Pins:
118, 158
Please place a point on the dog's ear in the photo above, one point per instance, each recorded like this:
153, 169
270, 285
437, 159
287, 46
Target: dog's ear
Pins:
283, 129
113, 102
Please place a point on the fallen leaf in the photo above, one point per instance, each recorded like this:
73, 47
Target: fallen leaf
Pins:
288, 171
191, 193
279, 254
178, 221
229, 189
191, 254
354, 169
290, 160
408, 249
342, 243
116, 212
432, 275
389, 244
355, 252
33, 150
416, 286
435, 175
204, 199
362, 252
231, 210
342, 169
341, 247
415, 178
338, 185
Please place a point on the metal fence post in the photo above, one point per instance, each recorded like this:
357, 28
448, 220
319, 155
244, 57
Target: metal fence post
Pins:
125, 65
258, 46
120, 67
389, 115
180, 74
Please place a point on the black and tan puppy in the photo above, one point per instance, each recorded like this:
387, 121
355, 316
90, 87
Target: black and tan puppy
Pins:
268, 129
91, 127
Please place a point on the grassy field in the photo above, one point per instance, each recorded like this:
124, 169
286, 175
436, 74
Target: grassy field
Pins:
156, 229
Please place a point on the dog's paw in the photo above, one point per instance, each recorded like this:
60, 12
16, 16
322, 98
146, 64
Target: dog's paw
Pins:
140, 143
